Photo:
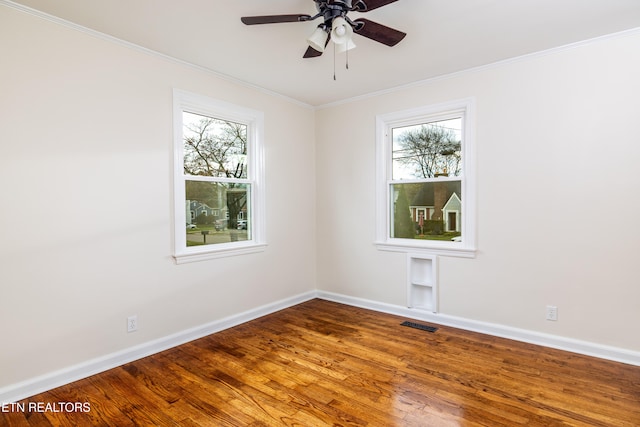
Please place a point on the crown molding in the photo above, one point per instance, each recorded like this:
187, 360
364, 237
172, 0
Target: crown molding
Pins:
516, 59
111, 39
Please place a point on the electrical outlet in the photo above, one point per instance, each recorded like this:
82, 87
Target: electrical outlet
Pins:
552, 312
132, 323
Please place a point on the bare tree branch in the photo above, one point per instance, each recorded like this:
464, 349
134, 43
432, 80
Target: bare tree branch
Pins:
430, 150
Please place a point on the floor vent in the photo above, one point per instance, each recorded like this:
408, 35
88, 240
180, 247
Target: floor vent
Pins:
419, 326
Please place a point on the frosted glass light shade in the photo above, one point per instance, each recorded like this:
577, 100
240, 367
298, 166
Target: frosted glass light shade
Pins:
341, 31
341, 48
318, 39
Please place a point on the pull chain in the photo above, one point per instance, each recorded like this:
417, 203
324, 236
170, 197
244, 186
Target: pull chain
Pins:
334, 61
347, 53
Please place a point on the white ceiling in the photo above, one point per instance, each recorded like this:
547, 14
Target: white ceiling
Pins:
444, 36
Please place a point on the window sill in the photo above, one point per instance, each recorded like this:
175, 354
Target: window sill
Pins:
445, 249
188, 257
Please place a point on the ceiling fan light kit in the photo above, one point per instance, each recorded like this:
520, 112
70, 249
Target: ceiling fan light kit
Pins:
341, 31
342, 48
337, 26
317, 39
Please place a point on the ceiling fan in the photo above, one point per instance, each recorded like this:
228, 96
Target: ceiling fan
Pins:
336, 25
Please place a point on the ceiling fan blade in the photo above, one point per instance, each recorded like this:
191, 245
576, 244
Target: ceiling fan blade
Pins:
373, 4
273, 19
378, 32
311, 53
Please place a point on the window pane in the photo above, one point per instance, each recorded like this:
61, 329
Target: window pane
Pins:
429, 211
214, 147
217, 212
427, 150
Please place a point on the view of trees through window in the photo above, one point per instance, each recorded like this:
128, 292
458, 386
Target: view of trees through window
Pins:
426, 186
217, 191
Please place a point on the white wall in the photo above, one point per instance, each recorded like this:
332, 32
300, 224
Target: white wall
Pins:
85, 187
85, 181
557, 189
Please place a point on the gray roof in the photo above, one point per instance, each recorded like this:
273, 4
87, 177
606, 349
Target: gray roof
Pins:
425, 195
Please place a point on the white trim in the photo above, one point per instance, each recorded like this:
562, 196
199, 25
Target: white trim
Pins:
40, 384
186, 258
395, 89
514, 60
586, 348
200, 104
147, 51
384, 122
408, 245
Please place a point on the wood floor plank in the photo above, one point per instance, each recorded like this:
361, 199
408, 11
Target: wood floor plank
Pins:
322, 363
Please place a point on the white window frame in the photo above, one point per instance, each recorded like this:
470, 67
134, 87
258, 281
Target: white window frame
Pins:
200, 104
464, 108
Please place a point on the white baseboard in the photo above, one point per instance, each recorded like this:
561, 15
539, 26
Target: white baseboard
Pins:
31, 387
547, 340
37, 385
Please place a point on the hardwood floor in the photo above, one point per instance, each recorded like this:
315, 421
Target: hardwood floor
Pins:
321, 363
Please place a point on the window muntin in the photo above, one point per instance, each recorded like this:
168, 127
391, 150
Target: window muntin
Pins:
427, 150
430, 155
426, 210
214, 147
218, 178
205, 200
425, 169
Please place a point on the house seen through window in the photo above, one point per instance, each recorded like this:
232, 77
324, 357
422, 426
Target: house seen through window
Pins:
218, 178
216, 170
425, 162
428, 156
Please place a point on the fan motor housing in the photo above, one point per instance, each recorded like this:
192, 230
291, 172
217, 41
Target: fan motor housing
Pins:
344, 3
329, 11
333, 9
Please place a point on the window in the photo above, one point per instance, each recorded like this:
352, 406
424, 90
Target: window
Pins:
425, 180
218, 174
